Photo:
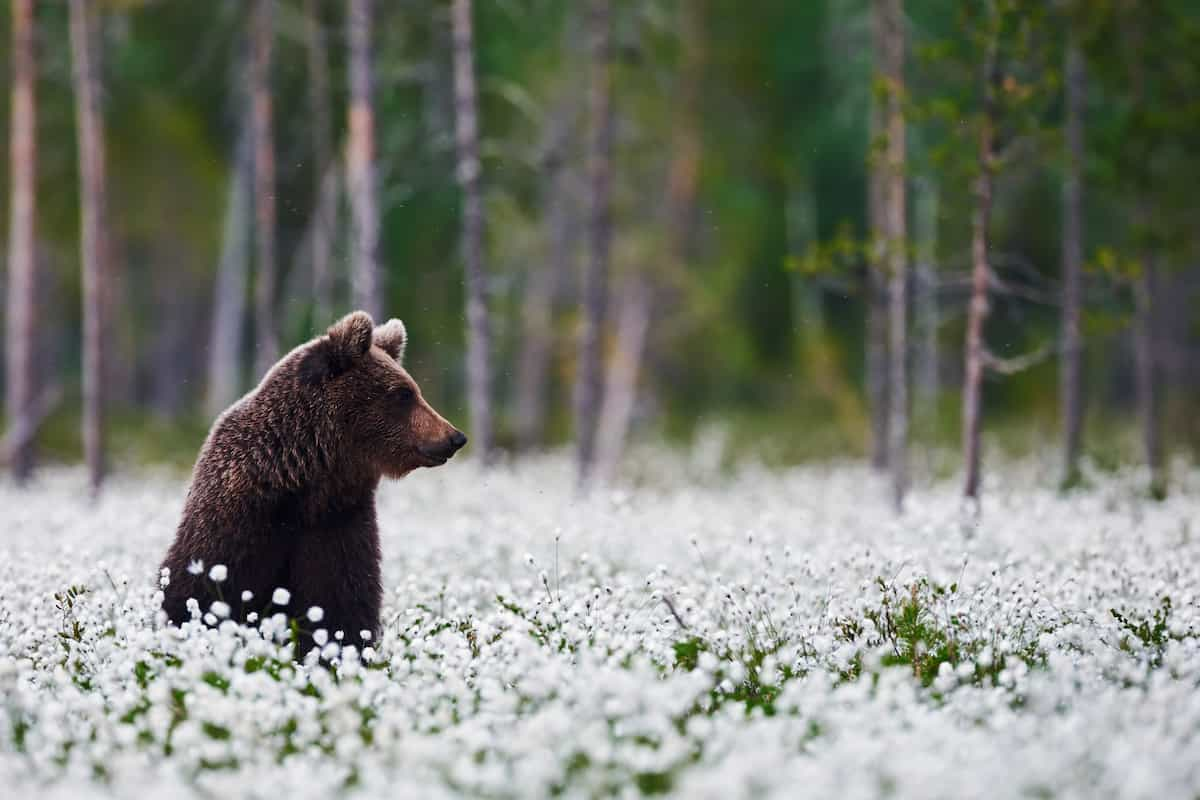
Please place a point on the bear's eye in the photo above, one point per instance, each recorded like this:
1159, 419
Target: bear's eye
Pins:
402, 394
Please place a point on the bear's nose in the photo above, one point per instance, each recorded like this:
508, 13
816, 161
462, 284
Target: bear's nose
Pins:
458, 439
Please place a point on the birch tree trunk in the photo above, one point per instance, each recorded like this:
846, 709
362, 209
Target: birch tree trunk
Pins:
479, 369
977, 312
683, 177
229, 302
877, 364
85, 47
876, 299
20, 367
928, 312
1146, 384
891, 14
267, 335
595, 278
620, 395
977, 309
1145, 339
321, 242
639, 298
1070, 370
538, 306
361, 168
320, 235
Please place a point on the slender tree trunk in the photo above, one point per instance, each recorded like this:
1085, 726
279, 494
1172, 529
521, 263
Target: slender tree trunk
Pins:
822, 368
1146, 383
891, 13
595, 279
360, 164
229, 302
876, 364
538, 307
928, 379
822, 365
307, 274
169, 347
1070, 374
620, 390
877, 299
641, 294
683, 177
322, 144
85, 46
267, 344
21, 377
977, 310
1145, 339
479, 369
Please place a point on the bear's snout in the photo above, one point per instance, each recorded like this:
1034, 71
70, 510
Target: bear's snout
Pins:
442, 452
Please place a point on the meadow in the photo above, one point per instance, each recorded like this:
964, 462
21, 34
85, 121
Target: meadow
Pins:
753, 633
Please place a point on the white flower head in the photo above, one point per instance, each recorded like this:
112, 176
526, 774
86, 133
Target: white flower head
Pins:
316, 614
281, 597
221, 609
196, 567
218, 573
247, 596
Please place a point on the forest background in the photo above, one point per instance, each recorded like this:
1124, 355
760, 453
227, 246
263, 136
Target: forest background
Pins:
825, 228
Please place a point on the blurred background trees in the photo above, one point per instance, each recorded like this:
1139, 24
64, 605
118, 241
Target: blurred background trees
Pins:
773, 217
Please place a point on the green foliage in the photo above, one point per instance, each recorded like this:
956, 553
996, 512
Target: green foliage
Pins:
1152, 633
687, 653
919, 634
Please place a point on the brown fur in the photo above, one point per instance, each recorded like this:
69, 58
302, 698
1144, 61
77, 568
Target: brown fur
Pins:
283, 493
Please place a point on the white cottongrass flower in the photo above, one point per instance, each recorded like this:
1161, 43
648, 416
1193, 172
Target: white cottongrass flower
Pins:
315, 614
218, 573
281, 596
196, 567
788, 670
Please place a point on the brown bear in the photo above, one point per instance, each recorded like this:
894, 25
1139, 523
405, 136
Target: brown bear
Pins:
283, 493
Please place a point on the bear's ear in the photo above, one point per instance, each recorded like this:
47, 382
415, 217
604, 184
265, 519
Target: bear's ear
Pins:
346, 341
391, 337
350, 337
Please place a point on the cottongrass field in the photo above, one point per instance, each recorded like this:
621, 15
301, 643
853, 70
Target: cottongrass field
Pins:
760, 634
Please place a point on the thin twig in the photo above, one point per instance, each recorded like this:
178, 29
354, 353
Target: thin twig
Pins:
671, 607
1011, 366
27, 425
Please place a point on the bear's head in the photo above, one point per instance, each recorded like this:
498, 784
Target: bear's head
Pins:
376, 405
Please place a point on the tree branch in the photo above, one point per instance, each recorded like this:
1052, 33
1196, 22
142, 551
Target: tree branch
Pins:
1001, 286
1011, 366
26, 425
